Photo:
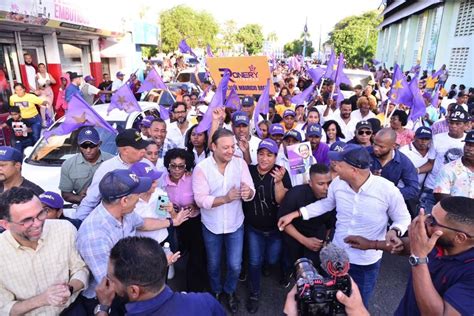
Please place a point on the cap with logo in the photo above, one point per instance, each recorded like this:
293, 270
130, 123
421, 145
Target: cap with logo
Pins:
268, 144
8, 153
119, 74
459, 115
289, 113
355, 155
248, 101
293, 133
142, 169
424, 132
88, 134
130, 137
146, 121
239, 118
314, 130
363, 124
52, 199
337, 146
122, 182
276, 129
88, 78
469, 137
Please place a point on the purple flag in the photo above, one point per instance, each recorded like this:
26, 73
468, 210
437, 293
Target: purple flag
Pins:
233, 100
375, 62
262, 107
331, 67
304, 96
184, 48
435, 98
338, 96
438, 73
123, 99
340, 76
366, 67
152, 81
209, 51
415, 69
79, 114
217, 101
103, 96
164, 113
316, 74
417, 106
400, 91
204, 93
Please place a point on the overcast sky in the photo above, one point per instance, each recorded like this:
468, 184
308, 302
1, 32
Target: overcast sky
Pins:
285, 18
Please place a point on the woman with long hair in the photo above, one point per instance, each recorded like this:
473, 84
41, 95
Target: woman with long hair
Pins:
333, 132
44, 81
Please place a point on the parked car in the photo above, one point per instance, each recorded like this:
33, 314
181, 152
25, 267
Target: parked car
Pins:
189, 75
43, 161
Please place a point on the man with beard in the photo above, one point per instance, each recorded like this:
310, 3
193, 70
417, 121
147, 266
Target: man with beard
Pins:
457, 177
343, 117
320, 150
247, 144
177, 130
441, 248
31, 70
41, 272
77, 171
390, 163
158, 134
143, 286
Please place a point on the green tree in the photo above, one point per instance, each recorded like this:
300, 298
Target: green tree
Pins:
272, 37
356, 37
229, 34
149, 51
252, 37
296, 47
198, 27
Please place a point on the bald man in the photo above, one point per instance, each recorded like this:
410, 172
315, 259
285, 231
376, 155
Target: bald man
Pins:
390, 163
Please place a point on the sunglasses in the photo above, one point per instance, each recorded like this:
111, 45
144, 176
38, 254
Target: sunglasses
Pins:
88, 145
431, 221
364, 132
177, 167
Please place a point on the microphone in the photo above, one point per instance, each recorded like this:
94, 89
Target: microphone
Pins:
334, 260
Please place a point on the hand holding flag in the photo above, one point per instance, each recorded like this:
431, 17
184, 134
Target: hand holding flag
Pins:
123, 99
152, 81
262, 107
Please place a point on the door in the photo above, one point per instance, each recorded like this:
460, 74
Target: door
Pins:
9, 73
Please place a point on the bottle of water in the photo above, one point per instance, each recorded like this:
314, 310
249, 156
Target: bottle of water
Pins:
167, 250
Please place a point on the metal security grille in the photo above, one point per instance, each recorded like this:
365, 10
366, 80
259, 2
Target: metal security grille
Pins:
458, 61
465, 21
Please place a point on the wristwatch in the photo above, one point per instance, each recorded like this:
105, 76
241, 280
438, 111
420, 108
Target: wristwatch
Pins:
101, 308
397, 230
414, 260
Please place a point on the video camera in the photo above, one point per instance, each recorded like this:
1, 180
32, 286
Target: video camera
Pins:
315, 294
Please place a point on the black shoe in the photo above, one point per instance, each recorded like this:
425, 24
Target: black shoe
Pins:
232, 302
252, 304
243, 275
266, 270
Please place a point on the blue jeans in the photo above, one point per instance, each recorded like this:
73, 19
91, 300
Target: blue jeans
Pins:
35, 123
261, 245
427, 200
233, 243
365, 277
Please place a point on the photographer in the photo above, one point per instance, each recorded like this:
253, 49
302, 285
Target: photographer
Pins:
353, 303
142, 283
442, 259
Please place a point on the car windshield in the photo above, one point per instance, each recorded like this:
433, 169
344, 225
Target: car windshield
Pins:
57, 149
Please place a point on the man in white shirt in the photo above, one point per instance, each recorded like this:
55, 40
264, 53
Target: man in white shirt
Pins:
364, 112
118, 82
247, 144
384, 89
343, 117
220, 183
30, 72
447, 147
364, 205
177, 130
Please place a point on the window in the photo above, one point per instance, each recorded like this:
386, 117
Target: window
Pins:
465, 21
458, 61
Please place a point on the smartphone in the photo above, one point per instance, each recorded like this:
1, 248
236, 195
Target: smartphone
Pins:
161, 203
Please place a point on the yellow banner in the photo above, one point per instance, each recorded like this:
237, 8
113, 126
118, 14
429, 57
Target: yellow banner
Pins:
248, 73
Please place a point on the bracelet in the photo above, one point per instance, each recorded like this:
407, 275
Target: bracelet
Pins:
171, 221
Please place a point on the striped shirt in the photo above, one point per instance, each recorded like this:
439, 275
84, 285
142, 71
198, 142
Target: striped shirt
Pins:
26, 272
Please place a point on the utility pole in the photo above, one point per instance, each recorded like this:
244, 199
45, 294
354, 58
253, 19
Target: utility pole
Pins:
319, 46
304, 40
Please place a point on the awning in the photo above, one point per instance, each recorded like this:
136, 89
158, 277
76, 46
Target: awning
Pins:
407, 11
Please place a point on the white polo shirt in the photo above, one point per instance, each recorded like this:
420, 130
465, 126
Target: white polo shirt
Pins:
416, 158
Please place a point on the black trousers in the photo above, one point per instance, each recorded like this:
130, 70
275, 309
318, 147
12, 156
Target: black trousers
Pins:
190, 240
83, 306
294, 251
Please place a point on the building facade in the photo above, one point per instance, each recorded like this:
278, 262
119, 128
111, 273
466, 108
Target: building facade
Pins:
429, 33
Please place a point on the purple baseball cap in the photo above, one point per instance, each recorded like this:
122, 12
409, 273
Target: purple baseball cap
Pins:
239, 118
276, 129
293, 133
146, 121
88, 78
337, 146
314, 129
268, 144
142, 169
122, 182
289, 113
52, 199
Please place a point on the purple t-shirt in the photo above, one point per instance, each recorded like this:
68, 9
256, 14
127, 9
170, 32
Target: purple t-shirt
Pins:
321, 153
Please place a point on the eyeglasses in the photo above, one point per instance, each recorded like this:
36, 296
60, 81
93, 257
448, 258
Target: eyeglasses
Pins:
364, 132
88, 145
27, 222
179, 112
177, 167
431, 220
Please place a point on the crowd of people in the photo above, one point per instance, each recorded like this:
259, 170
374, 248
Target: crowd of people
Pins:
372, 181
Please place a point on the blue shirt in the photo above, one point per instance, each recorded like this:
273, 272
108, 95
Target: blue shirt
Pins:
177, 304
453, 279
400, 168
71, 90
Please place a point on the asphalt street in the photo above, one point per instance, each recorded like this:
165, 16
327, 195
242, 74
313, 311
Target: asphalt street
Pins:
388, 293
